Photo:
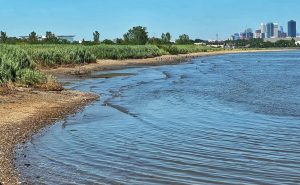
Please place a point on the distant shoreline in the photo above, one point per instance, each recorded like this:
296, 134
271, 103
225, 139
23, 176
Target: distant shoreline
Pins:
25, 112
106, 64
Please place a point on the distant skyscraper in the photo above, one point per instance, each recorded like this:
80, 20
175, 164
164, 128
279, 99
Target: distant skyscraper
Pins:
270, 30
243, 36
281, 29
249, 34
236, 36
292, 31
263, 29
282, 34
276, 30
257, 34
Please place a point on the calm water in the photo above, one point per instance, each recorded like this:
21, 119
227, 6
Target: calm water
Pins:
232, 119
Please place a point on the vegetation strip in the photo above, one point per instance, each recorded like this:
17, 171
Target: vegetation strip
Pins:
19, 63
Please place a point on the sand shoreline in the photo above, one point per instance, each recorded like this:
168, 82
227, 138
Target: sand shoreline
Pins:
102, 65
25, 112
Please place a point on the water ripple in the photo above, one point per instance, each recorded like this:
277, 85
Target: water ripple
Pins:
231, 119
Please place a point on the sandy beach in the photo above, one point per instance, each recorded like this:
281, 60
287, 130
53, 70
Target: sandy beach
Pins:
25, 111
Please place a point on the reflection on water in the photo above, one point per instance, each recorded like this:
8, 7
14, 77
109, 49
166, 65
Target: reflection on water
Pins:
232, 119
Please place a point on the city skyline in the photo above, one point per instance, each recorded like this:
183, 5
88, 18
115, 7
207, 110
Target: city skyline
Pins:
269, 30
198, 19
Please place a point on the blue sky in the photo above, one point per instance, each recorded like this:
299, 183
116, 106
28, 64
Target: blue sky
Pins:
112, 18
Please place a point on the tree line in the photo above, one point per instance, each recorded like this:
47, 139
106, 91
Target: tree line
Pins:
135, 36
139, 36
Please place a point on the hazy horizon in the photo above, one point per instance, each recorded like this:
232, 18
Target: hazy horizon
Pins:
112, 18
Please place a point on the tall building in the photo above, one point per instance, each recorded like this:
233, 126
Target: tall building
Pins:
281, 29
263, 30
257, 34
276, 30
292, 31
249, 34
281, 33
236, 36
270, 30
243, 36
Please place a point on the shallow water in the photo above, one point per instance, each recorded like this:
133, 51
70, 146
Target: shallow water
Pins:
231, 119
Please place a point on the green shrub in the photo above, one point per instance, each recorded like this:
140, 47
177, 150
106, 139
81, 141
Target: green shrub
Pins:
125, 51
49, 55
186, 49
30, 77
17, 66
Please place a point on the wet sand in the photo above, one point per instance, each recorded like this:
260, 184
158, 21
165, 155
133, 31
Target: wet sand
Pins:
26, 111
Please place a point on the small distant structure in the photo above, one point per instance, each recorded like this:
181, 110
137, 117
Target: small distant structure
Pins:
200, 43
216, 45
229, 46
69, 38
39, 37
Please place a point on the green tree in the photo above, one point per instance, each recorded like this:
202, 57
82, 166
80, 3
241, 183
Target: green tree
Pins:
168, 35
96, 35
119, 41
107, 41
50, 37
33, 38
166, 38
136, 36
183, 39
3, 37
155, 41
292, 43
